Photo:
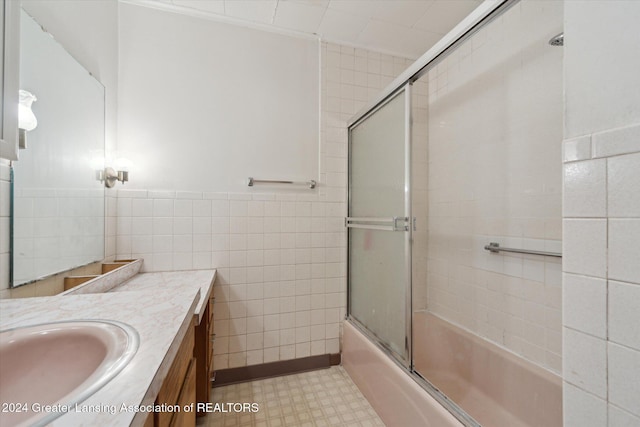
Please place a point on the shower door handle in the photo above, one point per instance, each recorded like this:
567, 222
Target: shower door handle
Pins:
396, 223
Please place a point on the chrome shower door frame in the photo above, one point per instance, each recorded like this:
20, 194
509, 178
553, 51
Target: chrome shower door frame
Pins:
405, 360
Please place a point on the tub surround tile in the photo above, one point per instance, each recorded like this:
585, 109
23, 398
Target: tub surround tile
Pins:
624, 300
624, 377
621, 418
616, 142
582, 408
585, 362
585, 186
161, 319
624, 250
623, 180
585, 252
589, 313
577, 149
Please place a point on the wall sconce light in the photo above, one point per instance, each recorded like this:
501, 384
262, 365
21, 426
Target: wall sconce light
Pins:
26, 119
110, 176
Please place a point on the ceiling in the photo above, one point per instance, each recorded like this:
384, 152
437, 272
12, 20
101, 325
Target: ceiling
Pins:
405, 28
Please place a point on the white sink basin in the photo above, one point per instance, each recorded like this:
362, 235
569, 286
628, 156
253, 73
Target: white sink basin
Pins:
59, 364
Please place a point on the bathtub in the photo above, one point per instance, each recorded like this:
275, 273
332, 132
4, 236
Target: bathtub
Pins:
395, 396
494, 386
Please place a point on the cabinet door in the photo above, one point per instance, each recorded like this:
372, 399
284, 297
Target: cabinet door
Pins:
212, 339
174, 382
187, 397
9, 78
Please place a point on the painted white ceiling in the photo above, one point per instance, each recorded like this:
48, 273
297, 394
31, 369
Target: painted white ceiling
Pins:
400, 27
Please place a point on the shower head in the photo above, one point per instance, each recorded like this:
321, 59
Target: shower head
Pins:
557, 40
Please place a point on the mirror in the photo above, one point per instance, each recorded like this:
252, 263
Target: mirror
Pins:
58, 200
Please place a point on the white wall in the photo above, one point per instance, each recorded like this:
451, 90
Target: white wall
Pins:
601, 205
280, 255
203, 105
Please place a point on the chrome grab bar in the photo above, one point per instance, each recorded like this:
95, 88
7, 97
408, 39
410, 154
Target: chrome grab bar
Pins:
396, 223
495, 248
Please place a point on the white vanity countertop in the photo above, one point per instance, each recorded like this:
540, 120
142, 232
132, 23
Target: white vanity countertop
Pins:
161, 318
186, 281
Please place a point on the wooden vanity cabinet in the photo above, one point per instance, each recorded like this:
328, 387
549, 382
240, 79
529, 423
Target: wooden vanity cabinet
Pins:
178, 387
211, 375
187, 397
203, 352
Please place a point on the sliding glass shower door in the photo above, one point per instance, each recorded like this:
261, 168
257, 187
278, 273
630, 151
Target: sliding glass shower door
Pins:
379, 226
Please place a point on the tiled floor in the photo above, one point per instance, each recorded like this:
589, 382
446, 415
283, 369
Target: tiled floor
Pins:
326, 397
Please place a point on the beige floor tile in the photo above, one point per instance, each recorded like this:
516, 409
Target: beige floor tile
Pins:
325, 397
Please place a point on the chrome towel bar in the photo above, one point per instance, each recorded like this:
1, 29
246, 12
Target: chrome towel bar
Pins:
250, 181
496, 248
396, 223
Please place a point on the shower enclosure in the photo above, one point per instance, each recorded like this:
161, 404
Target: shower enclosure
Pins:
464, 153
379, 233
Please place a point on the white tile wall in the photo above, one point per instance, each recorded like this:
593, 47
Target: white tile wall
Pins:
624, 249
624, 178
602, 281
589, 409
586, 253
495, 175
589, 312
585, 363
624, 301
624, 377
619, 418
281, 288
602, 132
585, 192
